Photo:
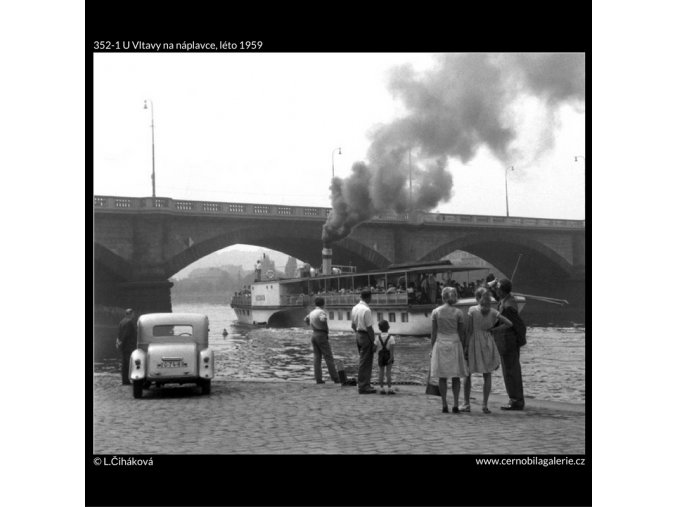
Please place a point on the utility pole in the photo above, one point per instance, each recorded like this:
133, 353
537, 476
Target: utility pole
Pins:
411, 199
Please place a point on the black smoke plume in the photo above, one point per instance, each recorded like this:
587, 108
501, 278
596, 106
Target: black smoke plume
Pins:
466, 102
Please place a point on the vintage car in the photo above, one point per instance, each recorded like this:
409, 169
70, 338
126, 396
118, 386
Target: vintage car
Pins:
172, 348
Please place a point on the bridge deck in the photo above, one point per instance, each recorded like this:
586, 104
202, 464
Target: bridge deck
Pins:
250, 210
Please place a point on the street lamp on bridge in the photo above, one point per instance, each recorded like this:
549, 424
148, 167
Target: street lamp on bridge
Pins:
512, 168
152, 129
332, 161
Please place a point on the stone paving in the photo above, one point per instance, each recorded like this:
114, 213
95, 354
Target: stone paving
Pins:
306, 418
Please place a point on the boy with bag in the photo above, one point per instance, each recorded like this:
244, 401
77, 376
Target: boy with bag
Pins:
385, 350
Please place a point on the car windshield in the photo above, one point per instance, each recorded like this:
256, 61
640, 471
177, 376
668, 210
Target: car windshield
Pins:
173, 330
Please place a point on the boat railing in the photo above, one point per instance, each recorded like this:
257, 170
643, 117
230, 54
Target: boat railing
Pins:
376, 299
389, 299
294, 300
241, 300
340, 299
342, 269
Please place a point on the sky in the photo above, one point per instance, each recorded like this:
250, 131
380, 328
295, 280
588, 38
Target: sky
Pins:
265, 128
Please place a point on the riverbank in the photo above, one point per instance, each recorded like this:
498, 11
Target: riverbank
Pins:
263, 417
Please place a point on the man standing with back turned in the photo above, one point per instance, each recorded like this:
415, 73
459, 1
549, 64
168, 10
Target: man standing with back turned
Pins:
508, 348
317, 319
364, 335
126, 342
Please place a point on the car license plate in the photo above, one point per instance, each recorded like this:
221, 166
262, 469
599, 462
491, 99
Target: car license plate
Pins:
171, 364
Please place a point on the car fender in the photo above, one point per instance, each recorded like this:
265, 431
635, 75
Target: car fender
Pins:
206, 368
137, 365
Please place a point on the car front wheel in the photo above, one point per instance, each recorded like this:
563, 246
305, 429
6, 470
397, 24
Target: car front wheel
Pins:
206, 386
137, 386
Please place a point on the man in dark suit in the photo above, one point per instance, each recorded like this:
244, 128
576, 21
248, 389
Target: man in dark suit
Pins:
508, 348
126, 342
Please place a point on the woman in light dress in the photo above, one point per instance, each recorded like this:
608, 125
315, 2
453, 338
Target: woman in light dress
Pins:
447, 358
483, 356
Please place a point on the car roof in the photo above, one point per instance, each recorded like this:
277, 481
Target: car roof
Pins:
155, 319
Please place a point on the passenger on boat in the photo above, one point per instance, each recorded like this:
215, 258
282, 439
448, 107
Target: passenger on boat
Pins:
425, 290
429, 288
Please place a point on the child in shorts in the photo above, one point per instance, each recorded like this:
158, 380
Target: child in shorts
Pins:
385, 352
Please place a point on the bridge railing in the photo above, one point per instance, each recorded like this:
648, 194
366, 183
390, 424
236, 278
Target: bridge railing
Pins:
207, 207
135, 204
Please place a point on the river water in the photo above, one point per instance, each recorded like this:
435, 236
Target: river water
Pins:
553, 361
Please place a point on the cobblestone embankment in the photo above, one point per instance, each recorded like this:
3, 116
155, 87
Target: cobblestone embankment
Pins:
305, 418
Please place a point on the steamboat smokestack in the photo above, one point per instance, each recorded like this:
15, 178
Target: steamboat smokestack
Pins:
326, 259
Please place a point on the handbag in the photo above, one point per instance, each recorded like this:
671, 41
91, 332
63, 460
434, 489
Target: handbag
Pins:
430, 388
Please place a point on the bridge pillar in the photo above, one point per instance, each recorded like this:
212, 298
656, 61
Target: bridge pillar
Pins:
403, 248
148, 296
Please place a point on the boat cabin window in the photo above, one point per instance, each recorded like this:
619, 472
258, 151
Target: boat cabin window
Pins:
331, 315
405, 317
379, 316
173, 330
347, 315
391, 317
340, 315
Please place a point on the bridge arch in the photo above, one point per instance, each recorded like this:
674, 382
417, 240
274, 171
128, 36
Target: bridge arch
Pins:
303, 243
111, 262
503, 249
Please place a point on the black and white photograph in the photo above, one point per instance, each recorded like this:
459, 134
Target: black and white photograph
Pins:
312, 259
344, 260
295, 253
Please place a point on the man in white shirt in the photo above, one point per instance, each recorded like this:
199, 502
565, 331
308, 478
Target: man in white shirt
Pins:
364, 335
317, 319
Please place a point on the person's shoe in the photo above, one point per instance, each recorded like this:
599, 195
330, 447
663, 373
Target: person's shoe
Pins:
390, 391
445, 410
371, 390
512, 407
454, 410
464, 408
320, 382
486, 410
383, 391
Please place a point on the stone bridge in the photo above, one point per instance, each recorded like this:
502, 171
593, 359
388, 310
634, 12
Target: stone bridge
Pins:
139, 243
